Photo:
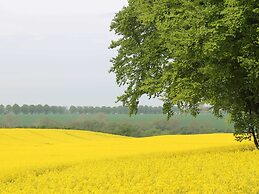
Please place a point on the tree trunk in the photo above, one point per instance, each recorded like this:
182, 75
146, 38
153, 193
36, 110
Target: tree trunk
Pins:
254, 130
255, 137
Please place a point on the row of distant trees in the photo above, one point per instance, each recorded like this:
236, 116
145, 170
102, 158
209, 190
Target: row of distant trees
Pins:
46, 109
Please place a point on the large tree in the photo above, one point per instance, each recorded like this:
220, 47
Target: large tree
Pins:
188, 52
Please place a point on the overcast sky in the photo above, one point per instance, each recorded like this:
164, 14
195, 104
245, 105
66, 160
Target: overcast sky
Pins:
56, 52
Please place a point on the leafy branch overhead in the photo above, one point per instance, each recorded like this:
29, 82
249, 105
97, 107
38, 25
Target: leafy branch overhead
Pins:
191, 52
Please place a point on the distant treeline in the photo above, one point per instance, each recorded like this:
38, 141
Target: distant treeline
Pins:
46, 109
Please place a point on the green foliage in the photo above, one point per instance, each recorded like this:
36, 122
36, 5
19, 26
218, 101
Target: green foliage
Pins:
191, 52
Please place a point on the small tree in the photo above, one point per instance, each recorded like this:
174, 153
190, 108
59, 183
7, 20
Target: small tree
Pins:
72, 109
10, 121
2, 109
46, 109
9, 108
191, 52
25, 109
16, 109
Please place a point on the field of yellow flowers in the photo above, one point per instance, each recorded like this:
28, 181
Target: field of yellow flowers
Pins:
36, 161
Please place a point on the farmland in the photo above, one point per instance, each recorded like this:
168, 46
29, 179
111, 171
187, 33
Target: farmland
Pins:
69, 161
121, 124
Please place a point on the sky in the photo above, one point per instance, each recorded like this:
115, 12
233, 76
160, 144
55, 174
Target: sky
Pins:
56, 52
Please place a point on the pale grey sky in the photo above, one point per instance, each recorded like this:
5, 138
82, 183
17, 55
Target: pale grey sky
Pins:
56, 52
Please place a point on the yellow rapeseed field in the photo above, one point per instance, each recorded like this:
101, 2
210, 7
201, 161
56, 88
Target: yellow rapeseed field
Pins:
34, 161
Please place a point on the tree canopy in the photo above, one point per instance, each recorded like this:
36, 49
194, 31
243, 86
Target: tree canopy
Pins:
191, 52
